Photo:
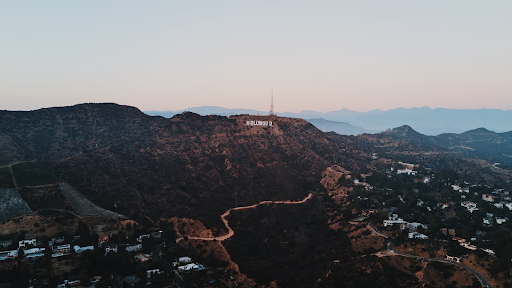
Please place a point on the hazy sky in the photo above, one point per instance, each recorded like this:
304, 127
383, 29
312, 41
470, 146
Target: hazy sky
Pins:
316, 55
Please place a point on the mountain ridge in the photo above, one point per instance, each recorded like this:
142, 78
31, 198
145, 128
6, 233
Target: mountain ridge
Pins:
424, 119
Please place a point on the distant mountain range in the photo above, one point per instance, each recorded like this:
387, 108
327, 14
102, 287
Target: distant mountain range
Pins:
478, 143
341, 128
424, 120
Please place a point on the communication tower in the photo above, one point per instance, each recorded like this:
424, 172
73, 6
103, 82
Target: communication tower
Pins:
272, 104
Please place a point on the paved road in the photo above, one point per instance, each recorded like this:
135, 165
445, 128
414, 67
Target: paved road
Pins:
230, 231
168, 268
391, 252
479, 276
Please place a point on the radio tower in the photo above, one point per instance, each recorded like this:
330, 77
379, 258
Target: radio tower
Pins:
272, 104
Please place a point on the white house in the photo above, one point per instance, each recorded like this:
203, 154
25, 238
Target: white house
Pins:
487, 221
153, 272
79, 249
4, 255
191, 267
468, 245
500, 220
393, 220
406, 171
499, 205
24, 243
417, 235
185, 259
488, 197
453, 258
471, 206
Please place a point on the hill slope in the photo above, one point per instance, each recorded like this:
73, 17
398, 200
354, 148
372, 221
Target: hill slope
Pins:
190, 165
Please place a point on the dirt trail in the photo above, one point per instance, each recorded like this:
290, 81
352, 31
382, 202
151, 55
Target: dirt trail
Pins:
230, 231
13, 178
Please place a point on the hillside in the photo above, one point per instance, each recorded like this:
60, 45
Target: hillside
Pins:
479, 143
190, 165
107, 160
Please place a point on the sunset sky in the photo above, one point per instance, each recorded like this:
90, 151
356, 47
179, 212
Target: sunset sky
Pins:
316, 55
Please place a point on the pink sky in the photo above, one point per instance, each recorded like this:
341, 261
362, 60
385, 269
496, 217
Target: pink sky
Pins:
316, 56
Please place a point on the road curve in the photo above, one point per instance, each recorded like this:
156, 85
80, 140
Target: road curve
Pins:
390, 252
230, 231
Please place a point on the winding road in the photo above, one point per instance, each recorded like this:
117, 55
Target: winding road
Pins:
230, 231
391, 252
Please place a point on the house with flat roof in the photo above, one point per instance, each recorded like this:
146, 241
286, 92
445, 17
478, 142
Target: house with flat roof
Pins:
24, 243
79, 249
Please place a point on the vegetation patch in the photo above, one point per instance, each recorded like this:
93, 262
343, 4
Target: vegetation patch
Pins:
29, 174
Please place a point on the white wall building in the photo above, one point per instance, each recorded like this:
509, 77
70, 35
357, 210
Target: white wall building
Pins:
79, 249
24, 243
417, 235
394, 220
406, 171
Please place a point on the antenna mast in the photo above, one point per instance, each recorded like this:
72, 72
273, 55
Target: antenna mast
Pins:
272, 104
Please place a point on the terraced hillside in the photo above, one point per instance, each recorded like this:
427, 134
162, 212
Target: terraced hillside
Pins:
82, 205
12, 205
42, 191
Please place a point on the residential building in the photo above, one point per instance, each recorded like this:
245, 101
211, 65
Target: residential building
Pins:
139, 239
34, 252
110, 247
149, 273
25, 243
5, 255
73, 281
58, 240
103, 239
61, 250
134, 248
471, 206
417, 235
79, 249
143, 257
191, 267
468, 245
183, 260
406, 171
488, 197
500, 220
393, 220
453, 258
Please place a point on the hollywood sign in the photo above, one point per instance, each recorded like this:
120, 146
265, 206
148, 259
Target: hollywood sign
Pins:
259, 123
